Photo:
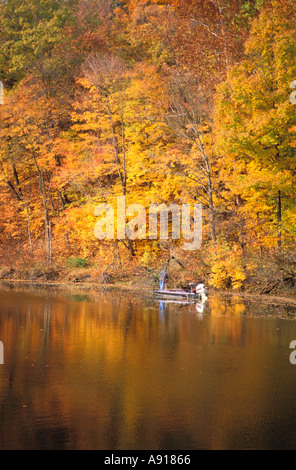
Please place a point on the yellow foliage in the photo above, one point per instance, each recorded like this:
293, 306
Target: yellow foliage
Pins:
226, 266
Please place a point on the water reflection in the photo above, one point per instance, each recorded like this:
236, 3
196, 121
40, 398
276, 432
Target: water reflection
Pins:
112, 370
199, 307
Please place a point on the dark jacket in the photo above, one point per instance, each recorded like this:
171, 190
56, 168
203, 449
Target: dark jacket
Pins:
163, 276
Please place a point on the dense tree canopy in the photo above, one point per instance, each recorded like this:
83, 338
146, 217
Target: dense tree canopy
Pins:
166, 101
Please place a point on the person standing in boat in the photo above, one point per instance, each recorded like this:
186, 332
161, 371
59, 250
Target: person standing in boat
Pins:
163, 277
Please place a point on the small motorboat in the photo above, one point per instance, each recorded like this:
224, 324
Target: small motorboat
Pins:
198, 293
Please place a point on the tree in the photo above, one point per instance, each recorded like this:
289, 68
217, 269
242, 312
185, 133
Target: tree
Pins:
29, 32
255, 118
211, 35
31, 125
190, 119
116, 129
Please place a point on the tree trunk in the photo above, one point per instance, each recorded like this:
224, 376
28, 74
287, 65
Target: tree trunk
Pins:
29, 230
212, 211
131, 247
47, 223
242, 236
279, 219
64, 218
20, 196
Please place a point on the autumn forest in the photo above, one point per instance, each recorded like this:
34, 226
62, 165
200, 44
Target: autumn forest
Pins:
160, 101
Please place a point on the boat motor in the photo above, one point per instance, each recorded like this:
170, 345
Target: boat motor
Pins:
200, 290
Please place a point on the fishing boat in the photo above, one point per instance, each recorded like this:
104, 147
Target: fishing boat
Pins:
199, 293
175, 300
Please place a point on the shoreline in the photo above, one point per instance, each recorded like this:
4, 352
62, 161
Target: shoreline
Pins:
146, 289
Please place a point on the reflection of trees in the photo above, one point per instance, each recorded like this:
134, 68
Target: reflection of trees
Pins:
109, 372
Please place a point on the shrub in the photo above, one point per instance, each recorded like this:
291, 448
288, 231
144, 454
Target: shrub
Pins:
227, 270
76, 262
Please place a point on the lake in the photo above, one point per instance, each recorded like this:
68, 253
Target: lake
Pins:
115, 370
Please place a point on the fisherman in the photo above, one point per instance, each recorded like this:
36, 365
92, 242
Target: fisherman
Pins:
163, 277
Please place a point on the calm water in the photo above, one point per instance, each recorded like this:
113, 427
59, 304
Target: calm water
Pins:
115, 371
